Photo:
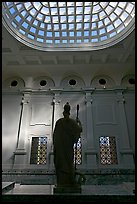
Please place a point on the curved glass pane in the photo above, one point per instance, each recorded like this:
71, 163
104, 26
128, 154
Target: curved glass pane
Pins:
69, 25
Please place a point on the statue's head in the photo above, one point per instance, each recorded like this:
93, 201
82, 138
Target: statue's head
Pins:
66, 109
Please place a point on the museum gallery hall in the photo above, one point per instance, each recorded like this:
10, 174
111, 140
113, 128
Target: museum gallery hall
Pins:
82, 53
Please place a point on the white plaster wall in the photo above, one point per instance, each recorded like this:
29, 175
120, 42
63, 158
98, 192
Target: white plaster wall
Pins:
40, 124
102, 113
105, 122
130, 117
10, 124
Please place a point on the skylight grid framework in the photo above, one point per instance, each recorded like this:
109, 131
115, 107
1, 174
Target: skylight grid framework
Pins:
69, 25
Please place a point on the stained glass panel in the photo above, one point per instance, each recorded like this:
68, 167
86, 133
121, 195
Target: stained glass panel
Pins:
78, 152
108, 152
38, 150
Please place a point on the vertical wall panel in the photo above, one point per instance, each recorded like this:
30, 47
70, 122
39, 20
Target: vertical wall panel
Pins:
40, 124
105, 117
130, 117
10, 123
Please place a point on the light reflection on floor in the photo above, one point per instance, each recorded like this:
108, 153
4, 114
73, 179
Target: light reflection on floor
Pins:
126, 188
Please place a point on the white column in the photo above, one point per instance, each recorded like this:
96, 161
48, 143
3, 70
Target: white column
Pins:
91, 152
125, 149
55, 116
55, 110
57, 107
20, 152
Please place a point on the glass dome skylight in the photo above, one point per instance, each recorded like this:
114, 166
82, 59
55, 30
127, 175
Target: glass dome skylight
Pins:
69, 25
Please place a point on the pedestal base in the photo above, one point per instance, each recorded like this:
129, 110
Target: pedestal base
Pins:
66, 189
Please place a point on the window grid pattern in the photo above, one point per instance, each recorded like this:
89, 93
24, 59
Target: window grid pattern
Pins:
64, 23
38, 150
108, 152
78, 152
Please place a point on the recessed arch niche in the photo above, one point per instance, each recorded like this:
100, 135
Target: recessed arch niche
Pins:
72, 81
102, 81
128, 81
13, 83
43, 82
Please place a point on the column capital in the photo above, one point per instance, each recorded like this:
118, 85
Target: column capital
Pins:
88, 98
120, 97
56, 99
25, 98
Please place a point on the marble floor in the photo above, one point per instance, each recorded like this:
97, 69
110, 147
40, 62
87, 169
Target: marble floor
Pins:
125, 188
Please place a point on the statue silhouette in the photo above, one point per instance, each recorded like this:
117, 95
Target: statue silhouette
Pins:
66, 134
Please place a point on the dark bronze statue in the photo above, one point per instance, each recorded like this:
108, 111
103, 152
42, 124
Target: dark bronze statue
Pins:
66, 134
